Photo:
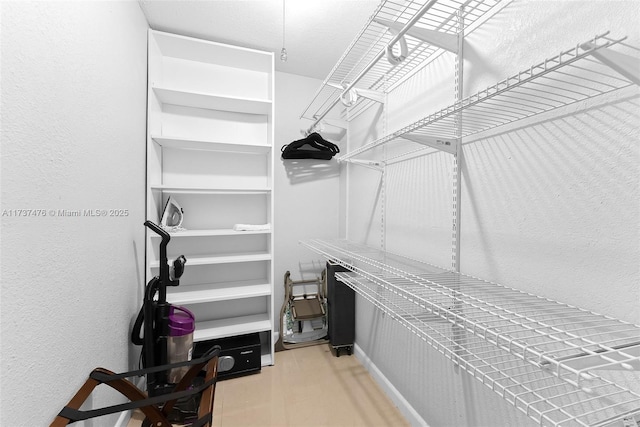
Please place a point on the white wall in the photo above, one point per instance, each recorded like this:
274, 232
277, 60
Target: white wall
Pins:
306, 191
73, 138
550, 208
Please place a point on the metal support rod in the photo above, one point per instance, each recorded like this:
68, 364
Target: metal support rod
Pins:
383, 177
373, 95
458, 333
457, 161
446, 41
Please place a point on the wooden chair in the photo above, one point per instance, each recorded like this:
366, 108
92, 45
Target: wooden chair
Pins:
156, 408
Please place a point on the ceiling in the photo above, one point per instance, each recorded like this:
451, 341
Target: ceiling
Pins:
317, 32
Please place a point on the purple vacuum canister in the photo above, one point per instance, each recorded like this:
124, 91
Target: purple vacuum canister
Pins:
181, 321
182, 324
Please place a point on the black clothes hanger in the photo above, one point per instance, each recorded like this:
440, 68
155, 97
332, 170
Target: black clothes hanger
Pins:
313, 146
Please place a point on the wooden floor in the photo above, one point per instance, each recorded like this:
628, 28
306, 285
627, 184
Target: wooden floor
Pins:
306, 387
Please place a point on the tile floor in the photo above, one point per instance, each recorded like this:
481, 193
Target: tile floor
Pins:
307, 386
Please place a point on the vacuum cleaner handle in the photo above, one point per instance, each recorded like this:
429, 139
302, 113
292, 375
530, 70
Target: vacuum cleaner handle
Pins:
158, 230
164, 266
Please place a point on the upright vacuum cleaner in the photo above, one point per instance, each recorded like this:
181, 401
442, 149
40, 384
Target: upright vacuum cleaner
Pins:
154, 315
180, 389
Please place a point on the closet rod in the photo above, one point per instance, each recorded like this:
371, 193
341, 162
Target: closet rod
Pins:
375, 60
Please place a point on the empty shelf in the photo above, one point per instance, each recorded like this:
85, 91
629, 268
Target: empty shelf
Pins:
208, 145
558, 339
544, 398
208, 190
572, 76
196, 294
212, 101
212, 233
222, 259
214, 329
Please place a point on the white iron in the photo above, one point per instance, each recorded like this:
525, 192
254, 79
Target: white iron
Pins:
173, 215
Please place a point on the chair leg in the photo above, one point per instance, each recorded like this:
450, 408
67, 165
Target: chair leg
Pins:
76, 401
186, 381
125, 387
133, 393
207, 398
138, 399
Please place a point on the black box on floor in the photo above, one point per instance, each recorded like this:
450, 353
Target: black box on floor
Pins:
244, 349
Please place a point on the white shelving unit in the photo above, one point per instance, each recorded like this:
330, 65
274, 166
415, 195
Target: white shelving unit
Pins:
210, 147
545, 358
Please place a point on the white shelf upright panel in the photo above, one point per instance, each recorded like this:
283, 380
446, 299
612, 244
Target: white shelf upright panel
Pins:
210, 148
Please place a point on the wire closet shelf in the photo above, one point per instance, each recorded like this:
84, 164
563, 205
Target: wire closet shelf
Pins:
575, 75
363, 65
538, 354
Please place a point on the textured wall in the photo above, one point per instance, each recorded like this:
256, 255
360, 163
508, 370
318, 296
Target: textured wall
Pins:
550, 208
73, 137
306, 191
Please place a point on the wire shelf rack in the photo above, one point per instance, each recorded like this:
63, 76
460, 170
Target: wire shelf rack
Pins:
363, 64
572, 76
538, 354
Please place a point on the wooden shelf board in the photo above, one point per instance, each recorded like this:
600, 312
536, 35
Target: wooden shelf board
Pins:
222, 259
208, 190
212, 101
214, 329
209, 145
195, 294
192, 49
212, 233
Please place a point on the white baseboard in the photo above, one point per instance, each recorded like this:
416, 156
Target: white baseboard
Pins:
405, 408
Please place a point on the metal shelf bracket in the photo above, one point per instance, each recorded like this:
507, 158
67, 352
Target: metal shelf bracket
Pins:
447, 145
338, 123
373, 95
319, 126
446, 41
349, 97
371, 164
